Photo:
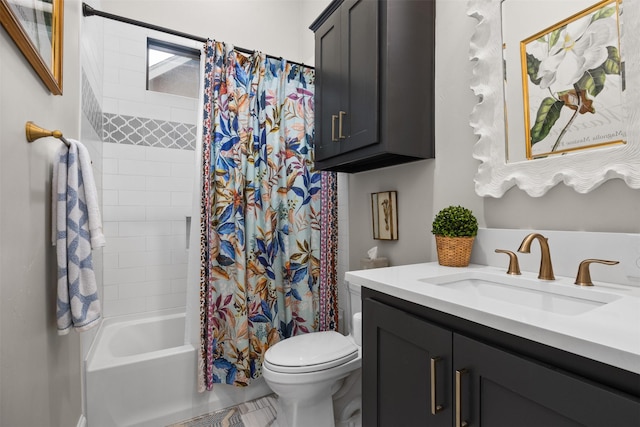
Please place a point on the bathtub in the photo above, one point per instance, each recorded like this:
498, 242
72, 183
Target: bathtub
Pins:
139, 372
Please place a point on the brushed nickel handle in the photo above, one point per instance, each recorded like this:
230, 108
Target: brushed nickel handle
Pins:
459, 421
435, 408
583, 278
333, 128
340, 135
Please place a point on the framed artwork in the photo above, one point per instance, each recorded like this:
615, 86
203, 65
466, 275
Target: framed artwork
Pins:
384, 210
36, 26
573, 81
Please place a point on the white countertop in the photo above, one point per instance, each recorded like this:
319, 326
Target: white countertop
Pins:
609, 333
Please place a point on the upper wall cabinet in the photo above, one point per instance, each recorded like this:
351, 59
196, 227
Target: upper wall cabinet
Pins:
374, 84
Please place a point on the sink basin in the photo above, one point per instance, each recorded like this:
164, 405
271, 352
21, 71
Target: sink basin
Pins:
537, 294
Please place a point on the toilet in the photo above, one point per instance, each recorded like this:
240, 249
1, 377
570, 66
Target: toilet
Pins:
317, 376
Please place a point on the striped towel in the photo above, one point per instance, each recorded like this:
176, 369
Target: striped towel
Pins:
77, 228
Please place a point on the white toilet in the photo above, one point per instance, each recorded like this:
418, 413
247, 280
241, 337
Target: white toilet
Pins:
317, 376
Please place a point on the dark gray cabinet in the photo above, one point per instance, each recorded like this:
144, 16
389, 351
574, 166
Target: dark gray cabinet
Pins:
374, 83
426, 368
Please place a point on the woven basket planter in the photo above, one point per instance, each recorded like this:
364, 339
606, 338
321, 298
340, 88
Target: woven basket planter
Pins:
454, 251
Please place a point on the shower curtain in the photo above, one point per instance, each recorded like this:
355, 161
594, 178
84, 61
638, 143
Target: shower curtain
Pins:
268, 220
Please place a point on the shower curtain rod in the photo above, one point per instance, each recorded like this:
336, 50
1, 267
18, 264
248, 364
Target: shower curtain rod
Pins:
90, 11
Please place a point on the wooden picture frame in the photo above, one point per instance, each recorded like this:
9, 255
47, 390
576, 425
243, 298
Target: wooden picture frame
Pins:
36, 26
384, 213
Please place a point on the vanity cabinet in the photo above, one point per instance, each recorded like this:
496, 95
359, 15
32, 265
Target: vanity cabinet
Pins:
374, 89
424, 367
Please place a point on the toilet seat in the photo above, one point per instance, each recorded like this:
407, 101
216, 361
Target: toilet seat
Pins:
310, 353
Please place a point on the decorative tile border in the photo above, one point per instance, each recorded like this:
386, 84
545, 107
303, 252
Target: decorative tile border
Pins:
120, 129
90, 106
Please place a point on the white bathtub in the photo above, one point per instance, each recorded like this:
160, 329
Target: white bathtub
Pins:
139, 372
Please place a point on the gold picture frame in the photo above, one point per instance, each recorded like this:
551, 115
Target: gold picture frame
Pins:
384, 212
36, 26
585, 110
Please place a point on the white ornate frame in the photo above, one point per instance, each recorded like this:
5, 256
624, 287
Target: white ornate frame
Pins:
582, 171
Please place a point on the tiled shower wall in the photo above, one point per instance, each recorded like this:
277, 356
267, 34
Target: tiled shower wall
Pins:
149, 171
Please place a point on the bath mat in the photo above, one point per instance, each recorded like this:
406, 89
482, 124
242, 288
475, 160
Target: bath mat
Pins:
256, 413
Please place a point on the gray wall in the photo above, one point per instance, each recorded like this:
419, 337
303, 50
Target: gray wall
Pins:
39, 370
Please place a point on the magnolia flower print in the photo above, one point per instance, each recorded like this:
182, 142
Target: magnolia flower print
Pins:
572, 63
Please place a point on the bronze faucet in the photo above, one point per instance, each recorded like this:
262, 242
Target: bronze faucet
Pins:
546, 269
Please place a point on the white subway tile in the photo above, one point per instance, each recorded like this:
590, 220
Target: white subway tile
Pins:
178, 286
161, 302
155, 243
123, 307
117, 276
136, 47
160, 272
124, 213
184, 115
132, 167
131, 259
157, 168
161, 183
145, 228
180, 256
110, 260
133, 63
109, 105
110, 293
132, 198
128, 151
181, 198
144, 289
160, 257
110, 165
167, 213
126, 244
140, 108
123, 182
115, 90
185, 170
110, 228
157, 198
133, 79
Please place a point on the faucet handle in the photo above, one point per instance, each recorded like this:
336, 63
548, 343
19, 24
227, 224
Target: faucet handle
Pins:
584, 277
514, 266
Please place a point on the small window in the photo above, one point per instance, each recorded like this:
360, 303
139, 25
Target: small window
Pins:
172, 68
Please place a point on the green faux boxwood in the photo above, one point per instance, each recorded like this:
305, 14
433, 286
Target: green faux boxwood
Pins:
455, 221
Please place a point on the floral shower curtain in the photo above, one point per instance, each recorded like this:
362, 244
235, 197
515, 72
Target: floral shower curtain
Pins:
268, 220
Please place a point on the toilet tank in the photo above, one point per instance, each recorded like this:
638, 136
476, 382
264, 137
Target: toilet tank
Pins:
354, 306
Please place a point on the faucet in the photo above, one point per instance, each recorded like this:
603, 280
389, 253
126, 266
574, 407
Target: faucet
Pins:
546, 269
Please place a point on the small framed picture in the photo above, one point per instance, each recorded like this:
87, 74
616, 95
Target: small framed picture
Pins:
384, 212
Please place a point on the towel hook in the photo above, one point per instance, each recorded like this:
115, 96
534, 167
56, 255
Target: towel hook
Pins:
34, 132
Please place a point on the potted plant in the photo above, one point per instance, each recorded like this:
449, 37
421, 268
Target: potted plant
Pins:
455, 229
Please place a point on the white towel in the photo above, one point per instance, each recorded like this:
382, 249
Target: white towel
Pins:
74, 202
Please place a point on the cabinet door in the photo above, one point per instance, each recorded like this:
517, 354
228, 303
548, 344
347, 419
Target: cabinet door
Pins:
497, 388
328, 86
360, 73
401, 352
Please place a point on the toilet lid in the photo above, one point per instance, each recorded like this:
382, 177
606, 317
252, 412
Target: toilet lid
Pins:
310, 352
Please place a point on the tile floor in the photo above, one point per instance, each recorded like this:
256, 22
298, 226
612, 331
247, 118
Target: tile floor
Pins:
256, 413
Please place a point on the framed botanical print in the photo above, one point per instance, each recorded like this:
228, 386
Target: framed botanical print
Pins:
384, 212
